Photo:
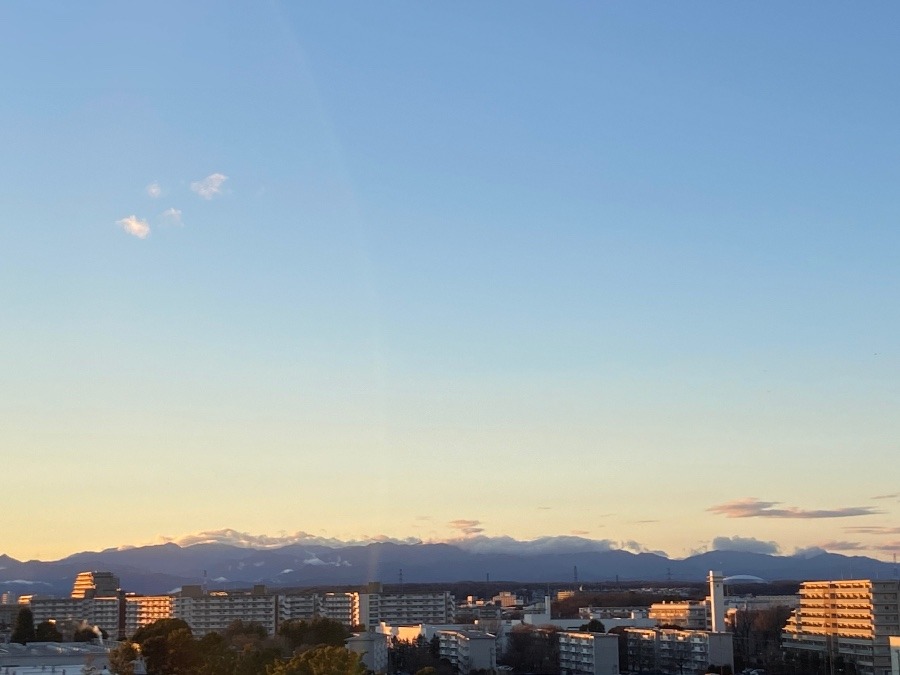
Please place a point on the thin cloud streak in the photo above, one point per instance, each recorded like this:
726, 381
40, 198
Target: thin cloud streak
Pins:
873, 529
755, 508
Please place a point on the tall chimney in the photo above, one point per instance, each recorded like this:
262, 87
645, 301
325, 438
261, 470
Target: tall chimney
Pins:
717, 601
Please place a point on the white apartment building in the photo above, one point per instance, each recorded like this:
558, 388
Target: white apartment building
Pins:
372, 648
851, 619
142, 610
343, 607
468, 650
212, 612
57, 610
678, 651
299, 606
894, 646
100, 612
406, 608
688, 614
583, 653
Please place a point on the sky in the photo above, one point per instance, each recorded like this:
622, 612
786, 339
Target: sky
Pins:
450, 271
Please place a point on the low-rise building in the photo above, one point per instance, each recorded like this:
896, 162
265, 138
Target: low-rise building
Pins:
372, 648
678, 651
583, 653
468, 650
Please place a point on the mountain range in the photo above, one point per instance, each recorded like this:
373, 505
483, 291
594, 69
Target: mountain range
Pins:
165, 567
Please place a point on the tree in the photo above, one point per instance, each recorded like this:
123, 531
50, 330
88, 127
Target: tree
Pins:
161, 627
175, 652
298, 633
594, 626
23, 631
122, 658
46, 631
324, 660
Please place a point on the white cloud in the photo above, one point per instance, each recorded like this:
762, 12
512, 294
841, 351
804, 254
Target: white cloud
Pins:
210, 186
744, 545
172, 216
154, 190
135, 226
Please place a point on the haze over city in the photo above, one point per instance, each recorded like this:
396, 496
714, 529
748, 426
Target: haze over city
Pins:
474, 272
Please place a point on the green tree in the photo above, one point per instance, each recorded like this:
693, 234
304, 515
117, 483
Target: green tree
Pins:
23, 630
324, 660
46, 631
298, 633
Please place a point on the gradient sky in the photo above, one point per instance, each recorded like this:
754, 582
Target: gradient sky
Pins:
621, 270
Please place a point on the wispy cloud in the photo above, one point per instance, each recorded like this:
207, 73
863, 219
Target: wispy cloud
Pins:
873, 529
172, 216
135, 226
843, 546
154, 190
893, 495
755, 508
210, 186
579, 533
467, 527
744, 545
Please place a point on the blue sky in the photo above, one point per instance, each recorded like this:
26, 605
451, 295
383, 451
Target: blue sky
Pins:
425, 270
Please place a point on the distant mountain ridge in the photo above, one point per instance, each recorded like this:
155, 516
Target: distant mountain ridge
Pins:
165, 567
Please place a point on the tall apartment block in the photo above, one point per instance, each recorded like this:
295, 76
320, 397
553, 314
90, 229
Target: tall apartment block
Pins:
848, 619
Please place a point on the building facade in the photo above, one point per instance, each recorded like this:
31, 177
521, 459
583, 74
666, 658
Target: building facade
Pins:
212, 612
468, 650
583, 653
678, 652
847, 620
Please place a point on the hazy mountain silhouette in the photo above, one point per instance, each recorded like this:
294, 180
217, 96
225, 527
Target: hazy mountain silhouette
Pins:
162, 568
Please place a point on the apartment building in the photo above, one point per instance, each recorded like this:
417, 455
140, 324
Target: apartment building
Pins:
142, 610
95, 585
583, 653
678, 652
852, 620
406, 608
688, 614
372, 648
343, 607
297, 606
104, 613
212, 612
468, 650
